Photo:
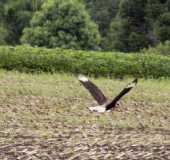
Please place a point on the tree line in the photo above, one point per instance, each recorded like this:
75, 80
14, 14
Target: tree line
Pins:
122, 25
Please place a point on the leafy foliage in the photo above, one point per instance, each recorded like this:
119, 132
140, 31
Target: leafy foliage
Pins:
160, 49
102, 12
28, 59
163, 27
63, 24
124, 25
139, 24
128, 30
3, 33
16, 16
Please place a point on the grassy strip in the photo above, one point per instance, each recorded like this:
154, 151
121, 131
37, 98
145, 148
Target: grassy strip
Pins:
28, 59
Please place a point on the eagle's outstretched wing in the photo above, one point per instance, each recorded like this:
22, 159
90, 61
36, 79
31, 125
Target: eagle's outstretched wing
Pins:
121, 94
93, 89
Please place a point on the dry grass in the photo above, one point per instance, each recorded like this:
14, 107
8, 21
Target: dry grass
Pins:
51, 110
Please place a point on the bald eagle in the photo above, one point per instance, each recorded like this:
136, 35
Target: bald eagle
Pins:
103, 103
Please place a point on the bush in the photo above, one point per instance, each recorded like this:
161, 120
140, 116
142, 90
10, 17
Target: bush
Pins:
162, 49
128, 31
64, 24
4, 33
118, 65
162, 27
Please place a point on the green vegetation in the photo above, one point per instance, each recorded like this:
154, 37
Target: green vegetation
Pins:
4, 34
160, 49
102, 12
63, 24
163, 27
29, 59
128, 34
16, 16
122, 25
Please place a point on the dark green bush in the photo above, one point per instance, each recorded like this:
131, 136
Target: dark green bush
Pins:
64, 24
29, 59
162, 27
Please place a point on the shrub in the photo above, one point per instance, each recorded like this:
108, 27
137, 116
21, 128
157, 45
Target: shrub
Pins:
162, 28
64, 24
4, 33
162, 49
29, 59
128, 30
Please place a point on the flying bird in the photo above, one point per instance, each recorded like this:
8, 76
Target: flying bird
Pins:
103, 103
